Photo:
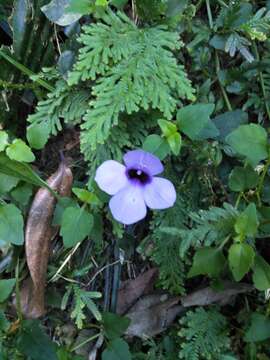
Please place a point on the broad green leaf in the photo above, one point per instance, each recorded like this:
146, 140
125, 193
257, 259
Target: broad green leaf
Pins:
83, 7
11, 225
76, 225
175, 142
117, 349
175, 7
247, 222
157, 146
65, 62
102, 3
168, 128
114, 325
207, 261
64, 354
38, 135
242, 179
21, 171
19, 151
210, 131
192, 119
86, 196
249, 141
4, 324
56, 11
22, 193
7, 183
241, 258
6, 287
229, 121
3, 140
259, 329
61, 205
20, 18
34, 343
261, 274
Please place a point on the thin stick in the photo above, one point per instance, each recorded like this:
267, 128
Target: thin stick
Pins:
65, 262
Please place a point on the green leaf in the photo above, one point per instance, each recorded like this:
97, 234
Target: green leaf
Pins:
86, 196
3, 140
19, 151
175, 7
21, 171
6, 287
117, 349
168, 128
38, 135
247, 222
207, 261
83, 7
241, 257
56, 11
102, 3
22, 193
157, 146
242, 179
261, 273
249, 141
192, 119
87, 298
114, 325
7, 183
210, 131
32, 341
76, 225
259, 329
4, 324
62, 204
11, 225
229, 121
20, 20
175, 142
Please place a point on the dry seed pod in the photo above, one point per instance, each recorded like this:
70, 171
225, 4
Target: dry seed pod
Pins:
38, 234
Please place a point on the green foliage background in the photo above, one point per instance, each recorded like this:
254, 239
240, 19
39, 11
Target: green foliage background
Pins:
186, 80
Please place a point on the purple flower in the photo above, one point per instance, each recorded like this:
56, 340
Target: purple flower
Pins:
135, 186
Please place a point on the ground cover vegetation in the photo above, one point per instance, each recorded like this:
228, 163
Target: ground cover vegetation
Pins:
101, 257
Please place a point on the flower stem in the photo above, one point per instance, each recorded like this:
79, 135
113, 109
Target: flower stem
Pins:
225, 96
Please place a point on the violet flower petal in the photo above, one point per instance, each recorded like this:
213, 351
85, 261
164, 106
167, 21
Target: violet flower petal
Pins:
139, 159
159, 194
128, 205
111, 177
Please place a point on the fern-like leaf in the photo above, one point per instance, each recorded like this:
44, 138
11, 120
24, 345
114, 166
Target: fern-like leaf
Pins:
64, 104
204, 335
137, 70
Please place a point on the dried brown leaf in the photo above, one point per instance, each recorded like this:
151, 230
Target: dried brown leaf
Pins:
38, 234
152, 314
207, 296
132, 290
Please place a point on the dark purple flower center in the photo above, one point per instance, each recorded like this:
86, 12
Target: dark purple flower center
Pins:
139, 175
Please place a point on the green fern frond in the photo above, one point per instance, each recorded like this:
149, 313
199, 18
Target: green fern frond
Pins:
204, 334
165, 253
137, 70
64, 104
207, 227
